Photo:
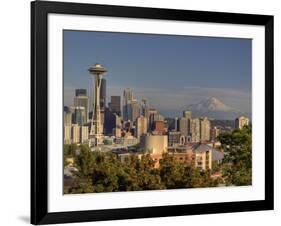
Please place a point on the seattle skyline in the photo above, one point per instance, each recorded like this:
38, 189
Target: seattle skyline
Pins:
171, 71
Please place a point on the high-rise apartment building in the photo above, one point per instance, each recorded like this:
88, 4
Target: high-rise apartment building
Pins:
200, 129
241, 121
195, 130
185, 124
205, 127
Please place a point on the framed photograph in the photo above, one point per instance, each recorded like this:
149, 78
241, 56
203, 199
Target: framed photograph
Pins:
144, 112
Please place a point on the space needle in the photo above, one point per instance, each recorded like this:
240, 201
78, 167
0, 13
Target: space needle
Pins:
96, 130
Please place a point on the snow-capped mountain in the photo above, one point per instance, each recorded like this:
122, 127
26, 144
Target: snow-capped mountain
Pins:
211, 104
214, 108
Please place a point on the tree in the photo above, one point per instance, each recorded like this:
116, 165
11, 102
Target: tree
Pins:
237, 163
84, 161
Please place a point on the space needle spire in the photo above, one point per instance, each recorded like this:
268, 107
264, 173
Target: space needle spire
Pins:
96, 130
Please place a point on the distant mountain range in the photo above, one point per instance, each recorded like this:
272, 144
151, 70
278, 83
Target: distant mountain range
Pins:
214, 108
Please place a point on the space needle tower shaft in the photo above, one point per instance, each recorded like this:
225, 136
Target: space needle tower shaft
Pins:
96, 130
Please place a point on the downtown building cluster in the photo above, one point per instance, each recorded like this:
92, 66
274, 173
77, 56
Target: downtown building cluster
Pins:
128, 126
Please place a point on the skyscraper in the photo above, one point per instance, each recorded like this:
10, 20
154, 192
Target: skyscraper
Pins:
80, 92
144, 108
115, 104
205, 127
102, 99
135, 110
127, 107
186, 121
79, 116
82, 100
109, 122
103, 94
141, 126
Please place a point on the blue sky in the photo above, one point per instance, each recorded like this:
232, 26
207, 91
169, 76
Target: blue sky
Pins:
172, 72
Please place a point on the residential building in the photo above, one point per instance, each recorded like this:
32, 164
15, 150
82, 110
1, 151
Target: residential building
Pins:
195, 130
205, 127
241, 121
67, 134
75, 134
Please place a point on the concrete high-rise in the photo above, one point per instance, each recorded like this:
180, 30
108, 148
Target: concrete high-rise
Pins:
82, 100
96, 131
195, 130
205, 127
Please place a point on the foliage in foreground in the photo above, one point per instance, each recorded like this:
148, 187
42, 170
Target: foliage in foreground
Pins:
104, 172
237, 162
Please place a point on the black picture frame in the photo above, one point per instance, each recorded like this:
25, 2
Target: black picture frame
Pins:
39, 112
